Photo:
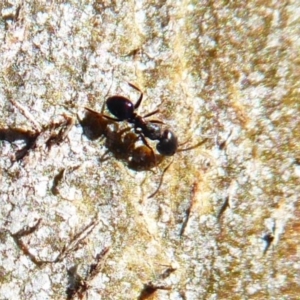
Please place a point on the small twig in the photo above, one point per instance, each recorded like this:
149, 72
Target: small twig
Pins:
77, 285
57, 138
223, 144
76, 240
57, 178
186, 220
22, 246
188, 211
224, 206
151, 287
268, 239
26, 230
98, 265
26, 114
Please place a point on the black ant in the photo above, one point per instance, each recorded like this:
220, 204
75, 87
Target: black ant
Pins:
124, 110
143, 157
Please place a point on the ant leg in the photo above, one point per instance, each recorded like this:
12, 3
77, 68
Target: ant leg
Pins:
161, 179
129, 143
156, 122
151, 114
110, 118
104, 157
135, 87
147, 145
124, 130
138, 103
91, 110
105, 116
103, 105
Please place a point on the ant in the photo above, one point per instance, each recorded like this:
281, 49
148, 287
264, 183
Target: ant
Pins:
124, 110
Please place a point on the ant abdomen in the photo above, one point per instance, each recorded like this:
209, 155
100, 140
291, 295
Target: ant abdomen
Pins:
141, 158
120, 107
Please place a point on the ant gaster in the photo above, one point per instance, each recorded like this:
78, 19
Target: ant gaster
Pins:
124, 110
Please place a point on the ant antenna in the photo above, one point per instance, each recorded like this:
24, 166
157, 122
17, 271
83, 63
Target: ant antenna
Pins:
192, 147
161, 180
167, 167
103, 106
112, 80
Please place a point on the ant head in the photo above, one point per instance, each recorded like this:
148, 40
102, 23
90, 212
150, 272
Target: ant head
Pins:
168, 143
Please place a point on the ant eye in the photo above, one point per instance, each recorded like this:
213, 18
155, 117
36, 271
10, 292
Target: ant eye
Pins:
168, 134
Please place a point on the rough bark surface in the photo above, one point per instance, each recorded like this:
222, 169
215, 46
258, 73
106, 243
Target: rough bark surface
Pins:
76, 219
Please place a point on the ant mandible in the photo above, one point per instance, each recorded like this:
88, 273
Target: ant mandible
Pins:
124, 110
